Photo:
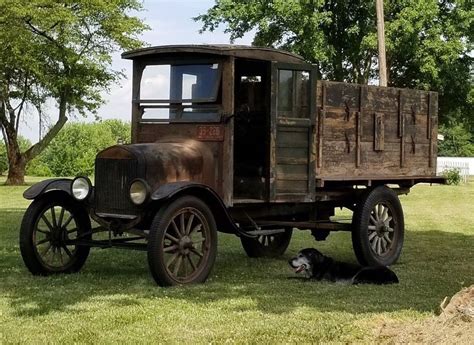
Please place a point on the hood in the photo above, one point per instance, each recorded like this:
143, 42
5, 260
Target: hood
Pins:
164, 162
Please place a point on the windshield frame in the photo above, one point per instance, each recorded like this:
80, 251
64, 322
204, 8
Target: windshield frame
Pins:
178, 62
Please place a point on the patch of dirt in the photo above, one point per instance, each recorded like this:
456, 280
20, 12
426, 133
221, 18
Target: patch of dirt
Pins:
453, 325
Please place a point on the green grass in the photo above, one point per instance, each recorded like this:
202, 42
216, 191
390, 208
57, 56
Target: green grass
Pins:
114, 300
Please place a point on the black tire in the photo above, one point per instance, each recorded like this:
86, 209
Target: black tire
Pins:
378, 228
48, 222
267, 246
191, 245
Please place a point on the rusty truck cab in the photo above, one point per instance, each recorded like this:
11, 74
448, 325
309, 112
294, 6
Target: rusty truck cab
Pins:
244, 104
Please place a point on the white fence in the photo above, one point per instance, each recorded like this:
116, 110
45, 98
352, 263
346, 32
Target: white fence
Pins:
465, 165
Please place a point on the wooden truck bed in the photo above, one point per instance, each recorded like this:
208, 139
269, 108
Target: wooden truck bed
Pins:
368, 133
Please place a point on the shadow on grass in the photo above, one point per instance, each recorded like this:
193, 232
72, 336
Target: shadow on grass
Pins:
434, 264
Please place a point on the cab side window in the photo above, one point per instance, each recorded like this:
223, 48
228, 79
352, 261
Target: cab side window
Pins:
293, 93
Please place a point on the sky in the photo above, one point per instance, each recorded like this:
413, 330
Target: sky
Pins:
171, 23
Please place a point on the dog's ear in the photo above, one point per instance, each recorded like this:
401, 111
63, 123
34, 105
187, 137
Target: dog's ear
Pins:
315, 255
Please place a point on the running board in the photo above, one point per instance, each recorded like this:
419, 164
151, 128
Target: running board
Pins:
255, 233
114, 243
310, 225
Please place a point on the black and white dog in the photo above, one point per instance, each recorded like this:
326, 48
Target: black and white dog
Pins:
317, 266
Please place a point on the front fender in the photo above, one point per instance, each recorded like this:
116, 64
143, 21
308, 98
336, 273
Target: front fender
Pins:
169, 190
224, 221
49, 185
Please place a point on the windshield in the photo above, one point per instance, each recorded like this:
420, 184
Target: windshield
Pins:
195, 83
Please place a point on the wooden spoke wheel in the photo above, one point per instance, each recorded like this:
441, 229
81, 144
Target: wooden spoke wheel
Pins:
183, 243
267, 245
378, 228
48, 226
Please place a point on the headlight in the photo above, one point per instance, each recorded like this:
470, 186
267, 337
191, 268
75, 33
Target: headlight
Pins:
138, 192
81, 188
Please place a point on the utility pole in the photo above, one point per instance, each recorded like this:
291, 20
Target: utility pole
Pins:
381, 43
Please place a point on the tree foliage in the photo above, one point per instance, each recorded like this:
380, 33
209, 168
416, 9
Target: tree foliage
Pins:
72, 152
58, 51
458, 141
429, 42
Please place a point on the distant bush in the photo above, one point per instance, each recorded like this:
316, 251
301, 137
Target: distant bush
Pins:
452, 176
37, 167
72, 152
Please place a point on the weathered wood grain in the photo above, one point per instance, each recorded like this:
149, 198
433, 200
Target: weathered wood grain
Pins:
375, 131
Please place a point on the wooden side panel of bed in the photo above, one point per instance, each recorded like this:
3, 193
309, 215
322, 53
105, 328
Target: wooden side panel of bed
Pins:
369, 132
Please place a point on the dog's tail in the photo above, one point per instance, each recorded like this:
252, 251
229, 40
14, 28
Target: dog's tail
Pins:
375, 275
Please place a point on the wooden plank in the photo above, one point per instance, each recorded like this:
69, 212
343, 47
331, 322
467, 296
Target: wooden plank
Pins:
362, 101
434, 129
379, 135
273, 129
295, 171
401, 120
289, 186
338, 150
136, 112
293, 129
292, 160
292, 139
312, 135
336, 127
225, 156
342, 95
375, 163
321, 120
290, 122
378, 98
287, 152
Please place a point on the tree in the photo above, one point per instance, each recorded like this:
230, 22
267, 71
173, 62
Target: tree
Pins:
429, 42
57, 51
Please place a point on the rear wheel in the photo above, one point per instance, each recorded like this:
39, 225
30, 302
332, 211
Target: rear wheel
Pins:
267, 245
49, 224
182, 246
378, 228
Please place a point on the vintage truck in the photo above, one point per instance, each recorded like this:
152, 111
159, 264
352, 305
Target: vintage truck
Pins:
241, 140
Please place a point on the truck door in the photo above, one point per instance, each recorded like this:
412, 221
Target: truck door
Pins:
292, 139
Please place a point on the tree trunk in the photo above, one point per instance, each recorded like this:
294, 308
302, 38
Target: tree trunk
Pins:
16, 171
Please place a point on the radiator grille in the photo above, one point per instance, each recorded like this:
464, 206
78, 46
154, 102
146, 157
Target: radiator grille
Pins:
112, 180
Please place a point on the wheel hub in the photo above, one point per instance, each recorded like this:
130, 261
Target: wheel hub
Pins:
58, 236
185, 244
381, 229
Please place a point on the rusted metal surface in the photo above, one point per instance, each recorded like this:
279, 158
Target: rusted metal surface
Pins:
170, 160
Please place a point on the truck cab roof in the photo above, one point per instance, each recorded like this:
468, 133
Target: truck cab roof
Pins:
239, 51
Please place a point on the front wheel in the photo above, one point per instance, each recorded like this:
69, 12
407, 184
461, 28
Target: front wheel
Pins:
48, 226
378, 228
267, 245
182, 245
